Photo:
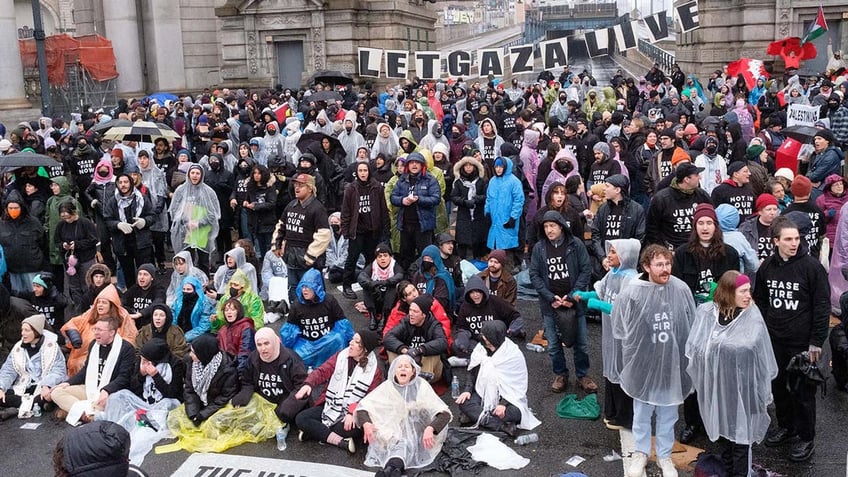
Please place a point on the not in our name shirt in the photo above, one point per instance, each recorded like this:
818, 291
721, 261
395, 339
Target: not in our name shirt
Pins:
765, 245
559, 277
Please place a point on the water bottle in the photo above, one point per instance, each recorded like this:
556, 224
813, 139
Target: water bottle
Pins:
36, 410
536, 348
527, 439
282, 433
455, 387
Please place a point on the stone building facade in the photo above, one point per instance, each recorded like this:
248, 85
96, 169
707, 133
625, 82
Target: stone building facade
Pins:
732, 29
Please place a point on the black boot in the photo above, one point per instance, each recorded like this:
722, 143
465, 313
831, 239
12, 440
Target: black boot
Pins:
373, 324
348, 292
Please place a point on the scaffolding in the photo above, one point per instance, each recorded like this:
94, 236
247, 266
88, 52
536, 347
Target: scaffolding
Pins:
81, 73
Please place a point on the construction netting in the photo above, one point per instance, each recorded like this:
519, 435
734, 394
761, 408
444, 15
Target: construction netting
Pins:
92, 52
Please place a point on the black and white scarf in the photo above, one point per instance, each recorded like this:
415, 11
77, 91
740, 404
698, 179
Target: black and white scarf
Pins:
126, 201
343, 391
150, 393
201, 376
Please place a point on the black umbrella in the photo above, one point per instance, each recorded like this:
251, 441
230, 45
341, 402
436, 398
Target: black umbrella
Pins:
27, 159
330, 76
801, 133
309, 141
141, 131
328, 96
102, 127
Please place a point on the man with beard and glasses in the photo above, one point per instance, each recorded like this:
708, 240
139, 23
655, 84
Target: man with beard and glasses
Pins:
652, 317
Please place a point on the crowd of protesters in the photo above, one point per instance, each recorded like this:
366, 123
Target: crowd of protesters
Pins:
400, 189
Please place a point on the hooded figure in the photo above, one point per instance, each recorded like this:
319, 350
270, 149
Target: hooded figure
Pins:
225, 272
386, 143
350, 138
564, 166
188, 269
434, 136
395, 417
293, 133
435, 278
489, 143
469, 195
240, 287
172, 335
728, 220
192, 309
504, 204
473, 316
22, 239
64, 195
498, 374
316, 328
98, 449
195, 213
211, 380
530, 158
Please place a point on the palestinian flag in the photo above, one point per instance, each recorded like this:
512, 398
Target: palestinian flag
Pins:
817, 29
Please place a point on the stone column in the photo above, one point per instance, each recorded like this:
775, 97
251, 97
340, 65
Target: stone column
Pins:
163, 44
122, 30
12, 95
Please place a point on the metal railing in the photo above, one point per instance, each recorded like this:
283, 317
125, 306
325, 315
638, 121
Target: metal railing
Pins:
663, 58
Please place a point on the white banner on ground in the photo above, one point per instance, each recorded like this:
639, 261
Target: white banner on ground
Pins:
210, 465
802, 115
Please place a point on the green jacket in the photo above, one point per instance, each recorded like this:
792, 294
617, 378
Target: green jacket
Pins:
52, 217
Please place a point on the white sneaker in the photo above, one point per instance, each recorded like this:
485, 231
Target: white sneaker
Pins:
638, 460
457, 362
667, 467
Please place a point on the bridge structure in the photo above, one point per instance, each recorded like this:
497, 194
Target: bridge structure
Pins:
545, 20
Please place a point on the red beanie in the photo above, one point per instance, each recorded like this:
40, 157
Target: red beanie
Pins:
704, 210
801, 186
765, 200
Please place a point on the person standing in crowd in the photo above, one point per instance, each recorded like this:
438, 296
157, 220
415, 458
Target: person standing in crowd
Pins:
826, 159
332, 419
154, 180
416, 195
504, 206
793, 294
303, 233
77, 238
757, 229
669, 218
61, 189
195, 215
802, 190
715, 167
260, 204
652, 318
22, 239
469, 195
736, 190
728, 220
100, 189
618, 217
364, 222
128, 215
559, 267
729, 329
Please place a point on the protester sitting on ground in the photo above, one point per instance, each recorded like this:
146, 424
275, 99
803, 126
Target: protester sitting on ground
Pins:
477, 309
192, 309
234, 260
183, 267
49, 301
139, 298
236, 337
162, 327
402, 420
211, 381
406, 294
495, 395
379, 280
240, 288
274, 373
34, 366
79, 330
108, 368
97, 278
96, 449
420, 336
433, 278
156, 388
316, 328
497, 279
349, 375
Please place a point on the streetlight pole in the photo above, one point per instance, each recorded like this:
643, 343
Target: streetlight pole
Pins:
42, 57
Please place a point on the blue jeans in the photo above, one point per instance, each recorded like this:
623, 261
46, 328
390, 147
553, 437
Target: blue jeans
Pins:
557, 352
666, 418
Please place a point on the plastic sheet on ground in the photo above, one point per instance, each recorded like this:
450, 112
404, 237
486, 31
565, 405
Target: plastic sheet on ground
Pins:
491, 450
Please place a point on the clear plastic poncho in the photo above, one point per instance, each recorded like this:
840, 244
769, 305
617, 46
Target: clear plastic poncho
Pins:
608, 289
652, 321
400, 414
195, 213
121, 409
732, 367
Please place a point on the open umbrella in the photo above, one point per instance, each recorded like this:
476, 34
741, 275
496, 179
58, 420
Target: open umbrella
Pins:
309, 141
330, 76
328, 96
107, 125
26, 159
803, 134
141, 131
161, 97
